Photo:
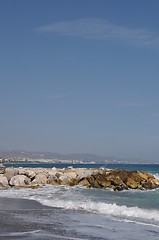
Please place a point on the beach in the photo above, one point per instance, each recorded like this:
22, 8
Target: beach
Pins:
79, 212
28, 219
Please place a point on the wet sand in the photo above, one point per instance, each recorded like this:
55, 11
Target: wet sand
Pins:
28, 219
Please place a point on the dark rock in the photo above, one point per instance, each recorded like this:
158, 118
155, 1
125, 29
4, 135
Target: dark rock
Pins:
102, 181
2, 168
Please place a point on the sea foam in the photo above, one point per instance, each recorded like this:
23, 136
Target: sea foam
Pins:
68, 198
104, 208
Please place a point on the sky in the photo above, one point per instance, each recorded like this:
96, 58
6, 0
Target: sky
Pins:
80, 76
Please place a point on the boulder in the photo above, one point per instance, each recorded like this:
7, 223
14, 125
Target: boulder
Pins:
19, 181
71, 174
53, 169
131, 183
40, 178
2, 168
22, 171
10, 172
84, 182
115, 180
65, 180
84, 174
58, 174
3, 182
53, 180
92, 181
30, 173
155, 182
102, 181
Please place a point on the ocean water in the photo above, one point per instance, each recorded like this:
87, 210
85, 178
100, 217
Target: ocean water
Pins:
99, 213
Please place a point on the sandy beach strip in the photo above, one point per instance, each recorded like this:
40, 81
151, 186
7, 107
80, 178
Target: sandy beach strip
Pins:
28, 219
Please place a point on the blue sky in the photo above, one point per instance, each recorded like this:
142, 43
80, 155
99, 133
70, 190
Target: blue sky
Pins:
80, 76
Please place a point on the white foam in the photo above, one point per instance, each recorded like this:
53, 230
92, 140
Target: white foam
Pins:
66, 198
105, 208
156, 176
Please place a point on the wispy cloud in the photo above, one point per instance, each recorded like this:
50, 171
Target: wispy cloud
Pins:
133, 104
104, 30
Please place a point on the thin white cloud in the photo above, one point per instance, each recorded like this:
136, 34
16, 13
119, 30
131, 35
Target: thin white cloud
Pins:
133, 104
102, 29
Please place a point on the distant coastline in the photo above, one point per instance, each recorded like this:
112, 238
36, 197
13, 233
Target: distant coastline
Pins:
75, 158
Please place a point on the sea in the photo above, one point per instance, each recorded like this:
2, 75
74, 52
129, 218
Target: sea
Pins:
85, 213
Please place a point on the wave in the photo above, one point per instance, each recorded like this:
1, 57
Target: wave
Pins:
70, 198
103, 208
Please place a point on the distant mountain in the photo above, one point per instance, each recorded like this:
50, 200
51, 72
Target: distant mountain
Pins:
48, 155
73, 156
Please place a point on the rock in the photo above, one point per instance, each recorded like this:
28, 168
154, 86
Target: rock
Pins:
58, 174
69, 168
84, 182
53, 180
115, 180
118, 188
39, 170
19, 181
53, 169
2, 168
102, 181
71, 175
30, 173
22, 171
84, 174
40, 178
140, 175
96, 178
10, 172
92, 181
131, 183
3, 182
156, 182
122, 174
65, 180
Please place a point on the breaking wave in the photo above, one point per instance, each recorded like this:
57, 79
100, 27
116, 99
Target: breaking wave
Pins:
104, 208
74, 199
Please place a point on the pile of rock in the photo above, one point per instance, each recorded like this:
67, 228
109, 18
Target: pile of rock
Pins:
95, 178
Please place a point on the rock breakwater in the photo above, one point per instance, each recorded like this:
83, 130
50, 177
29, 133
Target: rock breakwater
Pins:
115, 179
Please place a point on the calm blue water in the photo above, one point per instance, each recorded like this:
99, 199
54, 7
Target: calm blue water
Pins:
100, 213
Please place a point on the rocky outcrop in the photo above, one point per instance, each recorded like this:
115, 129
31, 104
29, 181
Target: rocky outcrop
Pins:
91, 178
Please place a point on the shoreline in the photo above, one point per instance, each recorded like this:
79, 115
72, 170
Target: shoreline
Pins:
27, 219
14, 204
30, 220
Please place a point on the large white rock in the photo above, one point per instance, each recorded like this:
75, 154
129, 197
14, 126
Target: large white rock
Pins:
65, 180
22, 171
40, 178
20, 181
3, 181
71, 175
10, 172
30, 173
84, 174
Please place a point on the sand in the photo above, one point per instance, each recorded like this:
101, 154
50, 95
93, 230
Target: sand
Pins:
27, 219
